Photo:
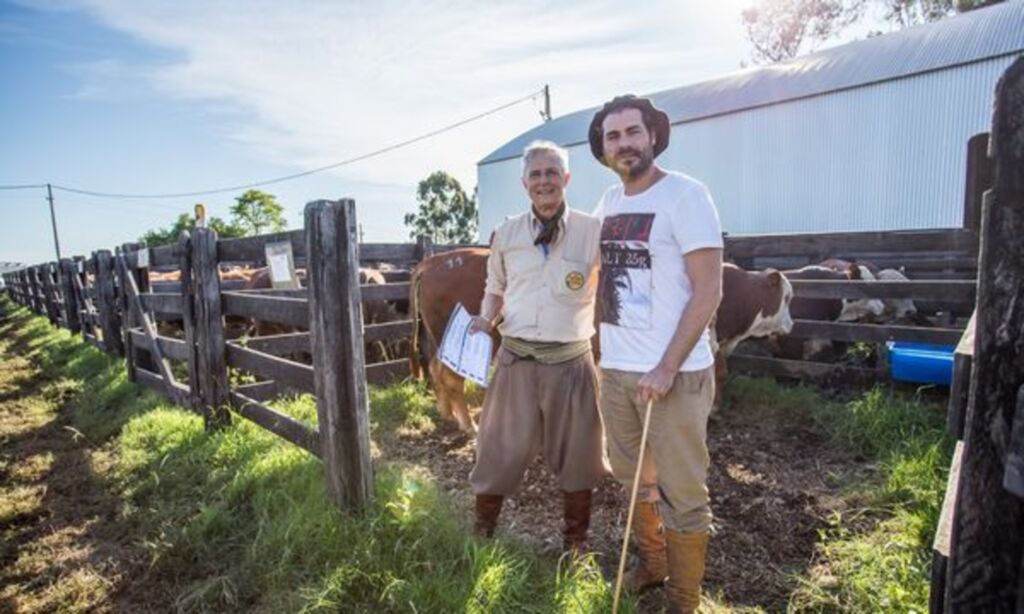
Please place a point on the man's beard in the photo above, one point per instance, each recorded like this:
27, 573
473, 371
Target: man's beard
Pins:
644, 161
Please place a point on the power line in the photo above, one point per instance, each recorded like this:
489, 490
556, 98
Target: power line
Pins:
27, 186
255, 184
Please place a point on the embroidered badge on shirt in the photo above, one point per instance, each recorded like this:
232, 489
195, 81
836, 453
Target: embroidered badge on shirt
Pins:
574, 280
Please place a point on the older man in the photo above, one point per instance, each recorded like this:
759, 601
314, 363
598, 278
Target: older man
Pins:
661, 282
541, 284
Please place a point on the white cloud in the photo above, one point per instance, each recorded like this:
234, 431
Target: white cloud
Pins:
311, 83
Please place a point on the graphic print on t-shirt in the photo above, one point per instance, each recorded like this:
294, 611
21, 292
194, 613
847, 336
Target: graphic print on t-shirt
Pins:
625, 282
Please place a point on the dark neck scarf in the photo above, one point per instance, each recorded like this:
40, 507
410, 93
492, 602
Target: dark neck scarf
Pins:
549, 230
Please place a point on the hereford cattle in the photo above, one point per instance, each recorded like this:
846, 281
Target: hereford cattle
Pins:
896, 309
754, 304
892, 310
438, 284
824, 310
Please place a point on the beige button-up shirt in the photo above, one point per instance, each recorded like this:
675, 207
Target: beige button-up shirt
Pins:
548, 297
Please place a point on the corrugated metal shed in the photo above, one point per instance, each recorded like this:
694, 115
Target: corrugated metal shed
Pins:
980, 35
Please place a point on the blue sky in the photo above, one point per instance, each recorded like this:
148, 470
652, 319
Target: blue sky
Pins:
140, 97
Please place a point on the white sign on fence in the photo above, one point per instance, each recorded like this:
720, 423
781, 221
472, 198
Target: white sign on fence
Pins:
281, 262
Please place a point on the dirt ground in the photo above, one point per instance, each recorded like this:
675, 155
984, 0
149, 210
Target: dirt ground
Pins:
774, 482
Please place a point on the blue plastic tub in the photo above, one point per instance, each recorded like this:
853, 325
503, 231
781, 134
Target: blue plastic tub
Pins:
921, 363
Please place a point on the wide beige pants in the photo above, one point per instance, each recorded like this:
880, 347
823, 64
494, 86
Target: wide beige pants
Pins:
531, 407
675, 467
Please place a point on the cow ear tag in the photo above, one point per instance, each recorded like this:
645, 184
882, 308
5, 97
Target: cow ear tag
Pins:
574, 280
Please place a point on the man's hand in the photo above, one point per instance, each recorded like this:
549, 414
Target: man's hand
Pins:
655, 384
480, 324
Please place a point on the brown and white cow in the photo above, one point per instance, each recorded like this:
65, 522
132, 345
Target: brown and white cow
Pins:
823, 310
754, 304
438, 284
374, 311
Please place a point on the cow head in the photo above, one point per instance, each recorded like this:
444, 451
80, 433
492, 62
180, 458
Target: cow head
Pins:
775, 318
862, 309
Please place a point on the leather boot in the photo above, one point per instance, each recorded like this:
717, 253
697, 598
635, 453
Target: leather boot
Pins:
649, 537
487, 509
686, 553
576, 506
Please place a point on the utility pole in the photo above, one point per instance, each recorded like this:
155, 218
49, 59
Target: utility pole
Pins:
547, 103
53, 220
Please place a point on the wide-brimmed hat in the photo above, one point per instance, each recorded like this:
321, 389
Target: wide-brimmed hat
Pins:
655, 119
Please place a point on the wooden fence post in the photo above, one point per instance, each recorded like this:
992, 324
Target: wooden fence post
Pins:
336, 332
135, 355
188, 321
979, 179
110, 322
127, 314
36, 285
209, 351
71, 316
50, 293
985, 565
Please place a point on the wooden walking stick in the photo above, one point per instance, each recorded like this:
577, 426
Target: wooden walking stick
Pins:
632, 505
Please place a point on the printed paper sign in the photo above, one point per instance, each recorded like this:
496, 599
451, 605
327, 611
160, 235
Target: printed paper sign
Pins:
468, 354
282, 265
142, 258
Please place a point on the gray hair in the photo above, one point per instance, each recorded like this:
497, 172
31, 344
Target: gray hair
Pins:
548, 147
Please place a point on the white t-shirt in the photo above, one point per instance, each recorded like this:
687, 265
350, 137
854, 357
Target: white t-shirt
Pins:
644, 287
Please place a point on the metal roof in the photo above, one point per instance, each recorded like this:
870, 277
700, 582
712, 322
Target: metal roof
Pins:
971, 37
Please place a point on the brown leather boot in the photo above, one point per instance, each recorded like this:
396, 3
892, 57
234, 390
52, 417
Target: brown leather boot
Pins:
648, 535
487, 509
576, 506
686, 553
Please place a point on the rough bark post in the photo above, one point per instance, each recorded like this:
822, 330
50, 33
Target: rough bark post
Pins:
68, 270
336, 331
988, 531
208, 331
107, 305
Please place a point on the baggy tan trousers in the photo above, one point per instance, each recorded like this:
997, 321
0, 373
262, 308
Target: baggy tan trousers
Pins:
531, 406
675, 467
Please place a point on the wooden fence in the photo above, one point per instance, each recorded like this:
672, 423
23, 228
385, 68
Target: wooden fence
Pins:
941, 265
109, 300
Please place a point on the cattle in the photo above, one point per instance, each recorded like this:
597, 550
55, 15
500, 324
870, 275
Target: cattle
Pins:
823, 310
882, 311
374, 311
896, 309
438, 284
754, 304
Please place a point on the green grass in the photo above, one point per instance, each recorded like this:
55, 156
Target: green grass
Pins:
877, 556
238, 519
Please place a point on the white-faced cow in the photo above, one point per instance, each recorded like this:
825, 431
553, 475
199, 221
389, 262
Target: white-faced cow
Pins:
754, 304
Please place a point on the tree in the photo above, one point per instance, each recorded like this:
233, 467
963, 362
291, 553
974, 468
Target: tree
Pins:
256, 212
446, 214
782, 29
166, 236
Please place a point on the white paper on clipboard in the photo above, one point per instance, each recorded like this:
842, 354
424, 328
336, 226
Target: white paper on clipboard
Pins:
468, 354
282, 265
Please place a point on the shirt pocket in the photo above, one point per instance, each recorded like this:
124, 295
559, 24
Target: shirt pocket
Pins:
570, 281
